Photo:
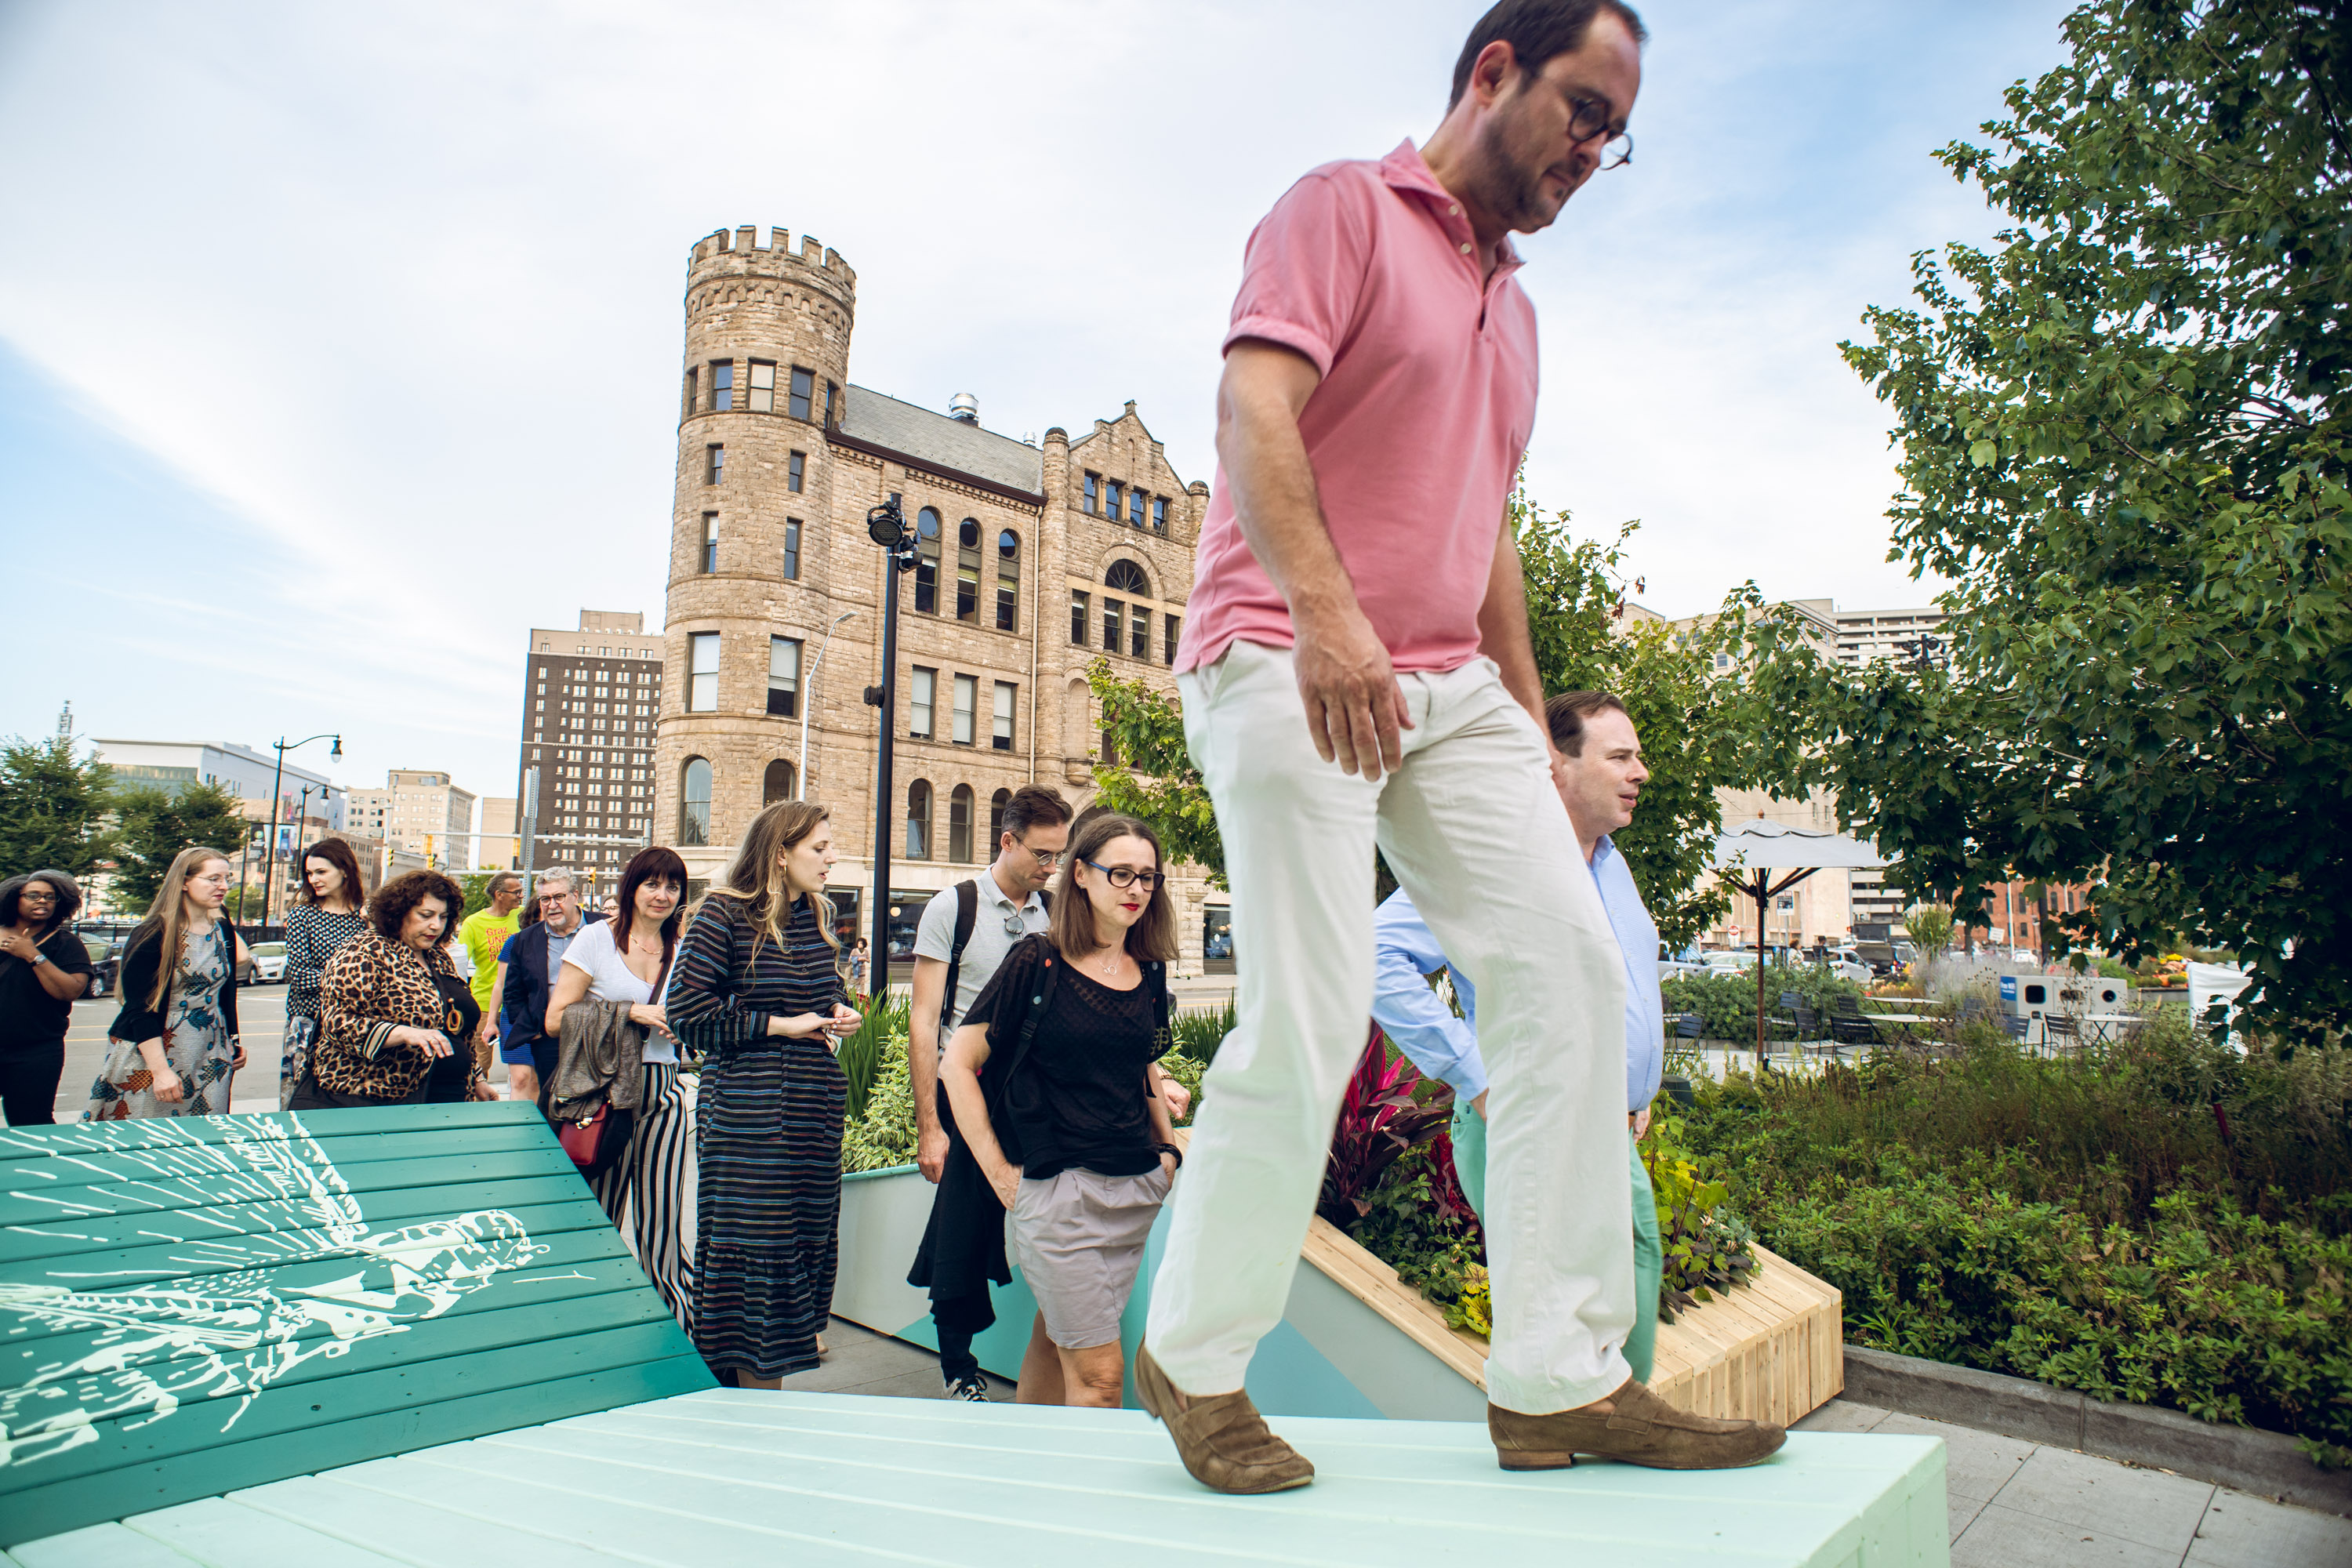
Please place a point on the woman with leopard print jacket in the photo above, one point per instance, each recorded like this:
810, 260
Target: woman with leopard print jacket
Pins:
396, 1024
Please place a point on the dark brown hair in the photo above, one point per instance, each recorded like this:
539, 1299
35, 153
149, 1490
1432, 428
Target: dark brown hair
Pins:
68, 890
655, 864
1030, 806
1073, 927
388, 909
1566, 715
1537, 30
335, 852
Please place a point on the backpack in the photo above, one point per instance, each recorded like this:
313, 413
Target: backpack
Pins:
967, 915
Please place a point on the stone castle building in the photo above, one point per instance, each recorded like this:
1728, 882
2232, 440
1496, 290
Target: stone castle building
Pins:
1035, 560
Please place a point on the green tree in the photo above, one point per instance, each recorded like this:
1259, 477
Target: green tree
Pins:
1150, 774
1930, 926
53, 808
2123, 432
155, 825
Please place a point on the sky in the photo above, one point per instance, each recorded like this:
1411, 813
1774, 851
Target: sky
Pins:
340, 344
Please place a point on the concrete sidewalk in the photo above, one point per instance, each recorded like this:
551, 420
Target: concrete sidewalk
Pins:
2017, 1505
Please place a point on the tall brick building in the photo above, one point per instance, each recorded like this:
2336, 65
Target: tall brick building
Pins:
589, 698
1035, 560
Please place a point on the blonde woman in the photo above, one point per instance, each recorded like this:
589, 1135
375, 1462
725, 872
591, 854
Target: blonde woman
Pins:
173, 1051
755, 990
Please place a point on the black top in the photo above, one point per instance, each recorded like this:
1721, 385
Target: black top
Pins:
1082, 1097
138, 1022
29, 1015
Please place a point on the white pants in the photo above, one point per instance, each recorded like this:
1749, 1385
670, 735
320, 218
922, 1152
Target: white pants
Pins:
1474, 829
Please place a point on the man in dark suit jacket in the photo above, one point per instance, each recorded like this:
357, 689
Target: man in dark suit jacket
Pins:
529, 959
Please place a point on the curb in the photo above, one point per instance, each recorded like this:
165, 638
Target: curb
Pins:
2265, 1463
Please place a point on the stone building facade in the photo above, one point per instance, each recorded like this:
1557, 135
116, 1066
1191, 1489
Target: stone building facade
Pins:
1035, 560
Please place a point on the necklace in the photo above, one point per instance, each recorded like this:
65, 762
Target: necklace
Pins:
1112, 955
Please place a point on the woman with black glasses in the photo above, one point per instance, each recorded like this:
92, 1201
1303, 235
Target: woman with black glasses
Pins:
1071, 1131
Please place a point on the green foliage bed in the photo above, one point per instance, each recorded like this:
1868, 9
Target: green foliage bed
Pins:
1727, 1003
2166, 1223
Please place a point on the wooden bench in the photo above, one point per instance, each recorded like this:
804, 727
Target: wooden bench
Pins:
193, 1305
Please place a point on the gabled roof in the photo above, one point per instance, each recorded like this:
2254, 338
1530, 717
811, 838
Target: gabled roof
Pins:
872, 419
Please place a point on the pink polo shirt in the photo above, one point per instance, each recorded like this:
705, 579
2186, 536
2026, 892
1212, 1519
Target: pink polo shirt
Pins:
1427, 401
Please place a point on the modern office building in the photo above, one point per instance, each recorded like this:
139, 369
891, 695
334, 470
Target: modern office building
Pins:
591, 697
420, 813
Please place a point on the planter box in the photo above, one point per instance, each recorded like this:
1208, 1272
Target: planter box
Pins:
1356, 1341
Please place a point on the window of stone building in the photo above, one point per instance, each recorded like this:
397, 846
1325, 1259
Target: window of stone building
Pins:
763, 386
804, 385
968, 571
1175, 635
1159, 514
722, 385
927, 560
1135, 509
1139, 631
1008, 581
996, 805
919, 820
797, 472
967, 694
1111, 608
702, 672
924, 691
714, 464
784, 676
959, 825
1128, 578
832, 406
776, 783
693, 803
1094, 492
710, 552
1006, 696
691, 389
1080, 620
1114, 501
792, 547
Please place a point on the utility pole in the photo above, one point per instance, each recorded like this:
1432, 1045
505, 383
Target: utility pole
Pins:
886, 526
277, 784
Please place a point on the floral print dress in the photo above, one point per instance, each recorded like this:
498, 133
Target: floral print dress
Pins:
197, 1042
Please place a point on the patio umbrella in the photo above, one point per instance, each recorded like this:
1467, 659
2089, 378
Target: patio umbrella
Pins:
1761, 848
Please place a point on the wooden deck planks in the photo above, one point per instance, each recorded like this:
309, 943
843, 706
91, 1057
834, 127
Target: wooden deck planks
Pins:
218, 1302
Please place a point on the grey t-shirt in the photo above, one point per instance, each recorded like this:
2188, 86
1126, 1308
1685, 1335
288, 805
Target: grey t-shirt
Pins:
935, 937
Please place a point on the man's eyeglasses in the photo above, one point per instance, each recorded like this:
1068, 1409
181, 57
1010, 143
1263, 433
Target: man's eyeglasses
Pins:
1127, 876
1046, 859
1587, 117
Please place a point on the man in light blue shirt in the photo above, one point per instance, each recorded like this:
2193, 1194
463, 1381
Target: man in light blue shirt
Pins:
1599, 778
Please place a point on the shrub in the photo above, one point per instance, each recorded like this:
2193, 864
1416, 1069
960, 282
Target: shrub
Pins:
886, 1021
1725, 1004
881, 1136
1200, 1032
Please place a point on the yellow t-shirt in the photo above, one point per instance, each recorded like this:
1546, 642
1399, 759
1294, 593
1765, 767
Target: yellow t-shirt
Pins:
485, 935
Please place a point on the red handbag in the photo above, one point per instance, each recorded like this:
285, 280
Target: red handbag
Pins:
595, 1140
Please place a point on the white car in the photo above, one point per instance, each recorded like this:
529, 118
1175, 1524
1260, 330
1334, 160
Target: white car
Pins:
1730, 960
268, 965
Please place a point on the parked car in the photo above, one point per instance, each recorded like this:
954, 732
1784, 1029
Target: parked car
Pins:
1845, 962
1730, 959
1689, 960
266, 963
105, 963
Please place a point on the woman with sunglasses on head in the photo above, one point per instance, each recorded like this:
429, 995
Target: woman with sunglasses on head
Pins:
328, 916
173, 1049
44, 967
1071, 1130
625, 960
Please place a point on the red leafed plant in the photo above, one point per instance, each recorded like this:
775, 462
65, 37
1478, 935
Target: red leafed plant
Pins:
1379, 1122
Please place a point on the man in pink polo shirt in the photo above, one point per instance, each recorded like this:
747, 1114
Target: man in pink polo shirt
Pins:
1378, 391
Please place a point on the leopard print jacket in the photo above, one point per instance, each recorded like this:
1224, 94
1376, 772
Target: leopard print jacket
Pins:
371, 986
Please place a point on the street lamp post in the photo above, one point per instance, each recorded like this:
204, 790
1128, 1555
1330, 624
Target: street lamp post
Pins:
886, 526
277, 781
808, 695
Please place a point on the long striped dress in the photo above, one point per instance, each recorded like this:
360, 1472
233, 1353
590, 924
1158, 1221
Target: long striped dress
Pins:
767, 1137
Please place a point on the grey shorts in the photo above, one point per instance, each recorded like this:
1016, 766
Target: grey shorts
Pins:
1077, 1238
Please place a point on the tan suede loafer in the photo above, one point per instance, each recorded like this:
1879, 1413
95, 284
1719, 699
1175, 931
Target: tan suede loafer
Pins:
1641, 1429
1221, 1437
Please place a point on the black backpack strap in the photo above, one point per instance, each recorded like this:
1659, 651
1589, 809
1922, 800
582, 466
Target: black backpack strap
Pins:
1163, 1037
967, 913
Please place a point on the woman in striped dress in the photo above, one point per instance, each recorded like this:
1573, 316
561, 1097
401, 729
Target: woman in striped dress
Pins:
756, 992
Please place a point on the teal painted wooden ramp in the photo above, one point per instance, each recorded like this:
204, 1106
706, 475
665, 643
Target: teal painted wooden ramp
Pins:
741, 1477
193, 1305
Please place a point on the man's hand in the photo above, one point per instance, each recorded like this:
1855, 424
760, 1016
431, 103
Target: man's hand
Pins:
1355, 709
931, 1152
1479, 1104
1639, 1122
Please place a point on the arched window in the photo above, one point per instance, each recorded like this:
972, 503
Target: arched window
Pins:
927, 560
1127, 577
968, 571
919, 820
694, 803
1008, 581
996, 805
959, 825
777, 783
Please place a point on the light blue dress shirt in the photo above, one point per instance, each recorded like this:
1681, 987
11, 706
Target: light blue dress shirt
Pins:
1446, 1047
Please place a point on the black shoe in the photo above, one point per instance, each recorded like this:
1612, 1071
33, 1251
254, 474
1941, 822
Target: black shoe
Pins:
974, 1388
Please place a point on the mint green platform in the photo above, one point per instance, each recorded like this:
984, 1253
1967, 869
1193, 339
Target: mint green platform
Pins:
193, 1305
739, 1477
